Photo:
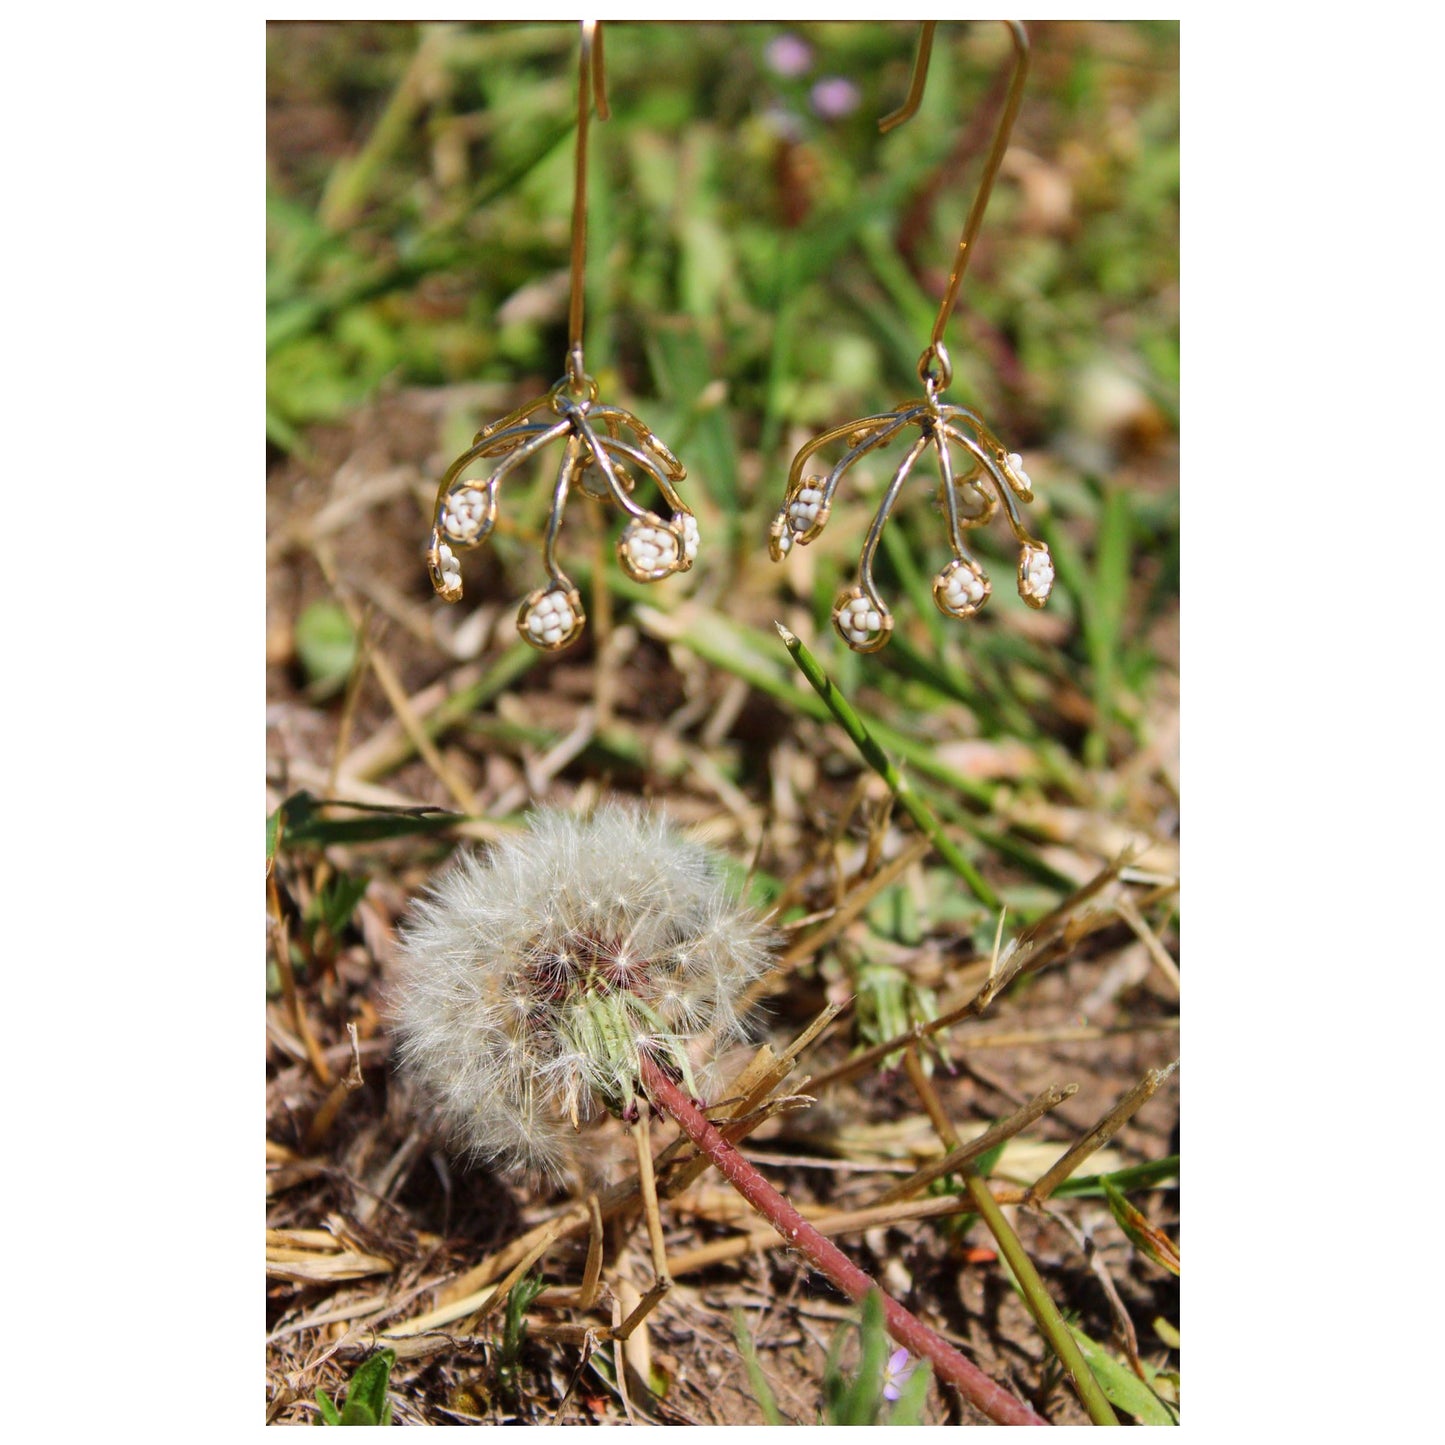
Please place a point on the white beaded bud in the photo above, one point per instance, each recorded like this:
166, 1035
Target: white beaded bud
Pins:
649, 549
550, 619
863, 624
804, 508
1036, 574
1014, 464
468, 515
975, 505
691, 539
961, 589
446, 572
800, 518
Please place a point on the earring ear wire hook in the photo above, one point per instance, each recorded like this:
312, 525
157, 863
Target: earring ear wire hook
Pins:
591, 90
937, 353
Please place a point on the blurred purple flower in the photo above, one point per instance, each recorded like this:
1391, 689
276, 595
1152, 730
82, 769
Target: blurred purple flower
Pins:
835, 97
895, 1374
789, 55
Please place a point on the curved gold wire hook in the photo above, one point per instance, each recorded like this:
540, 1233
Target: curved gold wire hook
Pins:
937, 352
591, 88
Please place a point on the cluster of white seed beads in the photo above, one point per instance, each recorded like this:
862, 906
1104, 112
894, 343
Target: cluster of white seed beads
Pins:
690, 539
960, 589
975, 505
1036, 575
862, 623
550, 618
448, 568
649, 549
803, 509
1015, 464
466, 515
532, 981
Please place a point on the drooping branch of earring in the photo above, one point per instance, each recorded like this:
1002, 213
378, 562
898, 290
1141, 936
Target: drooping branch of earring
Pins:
604, 447
968, 495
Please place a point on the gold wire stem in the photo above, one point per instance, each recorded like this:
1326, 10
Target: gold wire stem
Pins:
571, 464
921, 60
880, 519
916, 82
950, 497
591, 86
873, 431
517, 449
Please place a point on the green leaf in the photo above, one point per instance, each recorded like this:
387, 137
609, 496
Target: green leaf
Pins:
857, 1401
767, 1401
873, 1360
326, 643
1143, 1235
338, 900
368, 1388
282, 435
305, 826
986, 1162
366, 1402
1140, 1176
684, 370
1122, 1386
514, 1334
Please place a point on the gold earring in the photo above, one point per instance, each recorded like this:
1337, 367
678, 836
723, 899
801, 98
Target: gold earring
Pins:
650, 547
990, 473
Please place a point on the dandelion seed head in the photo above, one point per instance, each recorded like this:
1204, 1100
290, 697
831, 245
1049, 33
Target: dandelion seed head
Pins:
532, 979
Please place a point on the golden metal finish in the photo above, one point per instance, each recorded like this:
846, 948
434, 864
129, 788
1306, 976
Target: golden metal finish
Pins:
990, 474
606, 448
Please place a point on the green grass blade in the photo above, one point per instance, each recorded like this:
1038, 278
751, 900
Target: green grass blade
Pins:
883, 765
767, 1401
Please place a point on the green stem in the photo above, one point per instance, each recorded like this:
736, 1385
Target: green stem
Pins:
730, 647
884, 766
1040, 1303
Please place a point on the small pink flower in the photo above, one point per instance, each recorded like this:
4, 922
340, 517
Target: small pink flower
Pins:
789, 55
835, 97
896, 1373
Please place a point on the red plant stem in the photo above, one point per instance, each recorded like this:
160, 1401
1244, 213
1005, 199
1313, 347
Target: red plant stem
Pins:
829, 1260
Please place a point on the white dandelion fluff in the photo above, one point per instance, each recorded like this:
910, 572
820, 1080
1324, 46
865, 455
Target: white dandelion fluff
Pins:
534, 979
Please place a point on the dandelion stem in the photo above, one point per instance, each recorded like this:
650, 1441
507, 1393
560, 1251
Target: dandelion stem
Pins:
828, 1259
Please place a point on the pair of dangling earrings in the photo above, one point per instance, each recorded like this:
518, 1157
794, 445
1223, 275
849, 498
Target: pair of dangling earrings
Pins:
606, 449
